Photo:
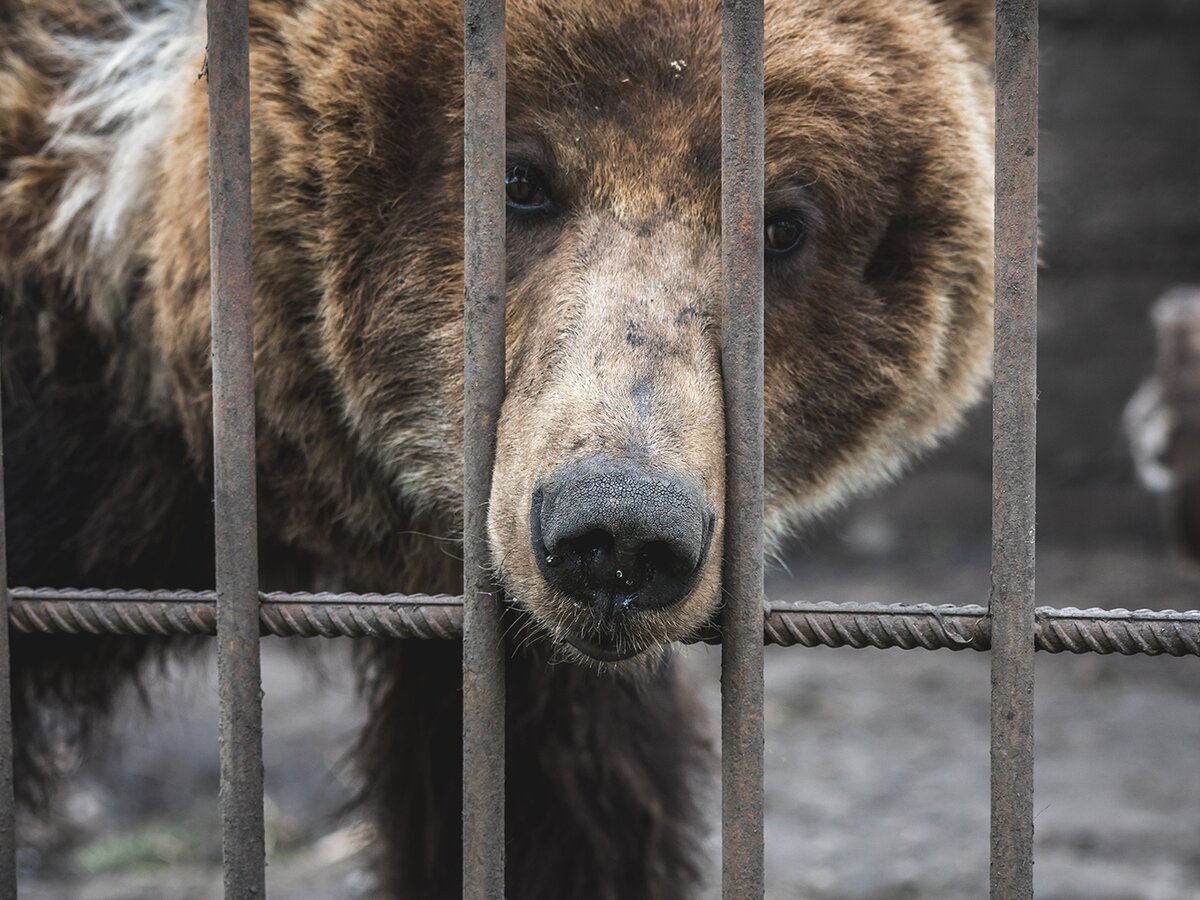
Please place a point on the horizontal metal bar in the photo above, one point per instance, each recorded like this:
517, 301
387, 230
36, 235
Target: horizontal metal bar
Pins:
71, 611
857, 625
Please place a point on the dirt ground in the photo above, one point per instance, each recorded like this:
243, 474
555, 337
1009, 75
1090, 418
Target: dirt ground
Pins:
877, 763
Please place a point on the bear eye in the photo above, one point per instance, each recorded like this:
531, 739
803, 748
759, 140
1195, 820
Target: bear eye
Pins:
782, 234
525, 188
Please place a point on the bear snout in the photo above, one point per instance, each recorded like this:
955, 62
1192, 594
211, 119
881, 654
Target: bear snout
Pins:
618, 538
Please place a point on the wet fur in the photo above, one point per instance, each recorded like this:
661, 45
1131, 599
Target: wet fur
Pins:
876, 341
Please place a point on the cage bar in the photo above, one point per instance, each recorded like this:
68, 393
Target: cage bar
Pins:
238, 666
742, 364
483, 392
1013, 450
8, 825
915, 626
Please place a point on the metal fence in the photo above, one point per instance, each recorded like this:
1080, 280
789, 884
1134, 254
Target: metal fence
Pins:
1009, 626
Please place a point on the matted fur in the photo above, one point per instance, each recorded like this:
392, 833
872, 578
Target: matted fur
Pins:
878, 133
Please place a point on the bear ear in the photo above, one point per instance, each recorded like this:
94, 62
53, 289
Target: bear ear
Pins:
975, 21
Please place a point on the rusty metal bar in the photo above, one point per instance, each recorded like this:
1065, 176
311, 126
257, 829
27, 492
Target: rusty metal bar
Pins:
1067, 630
483, 392
857, 625
90, 611
8, 826
742, 363
1014, 437
237, 615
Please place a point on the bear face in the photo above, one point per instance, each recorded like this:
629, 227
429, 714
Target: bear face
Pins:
878, 278
606, 514
877, 293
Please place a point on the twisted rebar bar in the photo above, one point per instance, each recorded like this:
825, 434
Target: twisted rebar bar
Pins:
90, 611
1070, 630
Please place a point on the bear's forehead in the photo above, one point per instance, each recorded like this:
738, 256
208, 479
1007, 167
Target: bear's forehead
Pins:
622, 99
608, 56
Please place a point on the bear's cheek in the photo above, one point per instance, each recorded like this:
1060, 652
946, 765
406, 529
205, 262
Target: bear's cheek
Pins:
850, 373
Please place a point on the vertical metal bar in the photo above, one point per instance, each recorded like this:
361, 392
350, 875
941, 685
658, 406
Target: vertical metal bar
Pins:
238, 665
8, 827
742, 361
483, 392
1013, 448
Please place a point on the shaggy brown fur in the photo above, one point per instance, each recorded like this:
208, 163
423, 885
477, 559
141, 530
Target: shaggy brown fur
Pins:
877, 337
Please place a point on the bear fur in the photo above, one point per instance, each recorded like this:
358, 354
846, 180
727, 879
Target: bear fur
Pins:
878, 148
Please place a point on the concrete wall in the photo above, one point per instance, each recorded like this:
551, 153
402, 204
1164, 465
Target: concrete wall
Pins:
1120, 206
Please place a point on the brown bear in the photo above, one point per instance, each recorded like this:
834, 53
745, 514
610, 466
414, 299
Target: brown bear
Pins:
605, 520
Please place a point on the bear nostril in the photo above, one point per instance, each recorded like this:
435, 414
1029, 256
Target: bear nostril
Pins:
612, 536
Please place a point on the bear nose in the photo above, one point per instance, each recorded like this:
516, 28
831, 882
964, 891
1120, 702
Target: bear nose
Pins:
615, 536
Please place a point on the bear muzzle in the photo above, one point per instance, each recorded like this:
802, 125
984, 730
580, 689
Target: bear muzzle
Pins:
619, 539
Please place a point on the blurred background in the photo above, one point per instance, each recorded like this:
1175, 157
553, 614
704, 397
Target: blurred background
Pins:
877, 784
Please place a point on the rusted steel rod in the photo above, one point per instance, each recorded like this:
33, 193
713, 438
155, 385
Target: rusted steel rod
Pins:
1066, 630
8, 827
1014, 435
742, 731
903, 626
483, 393
69, 611
238, 665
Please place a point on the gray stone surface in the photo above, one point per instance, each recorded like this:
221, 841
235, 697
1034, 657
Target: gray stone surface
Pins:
877, 762
1120, 223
